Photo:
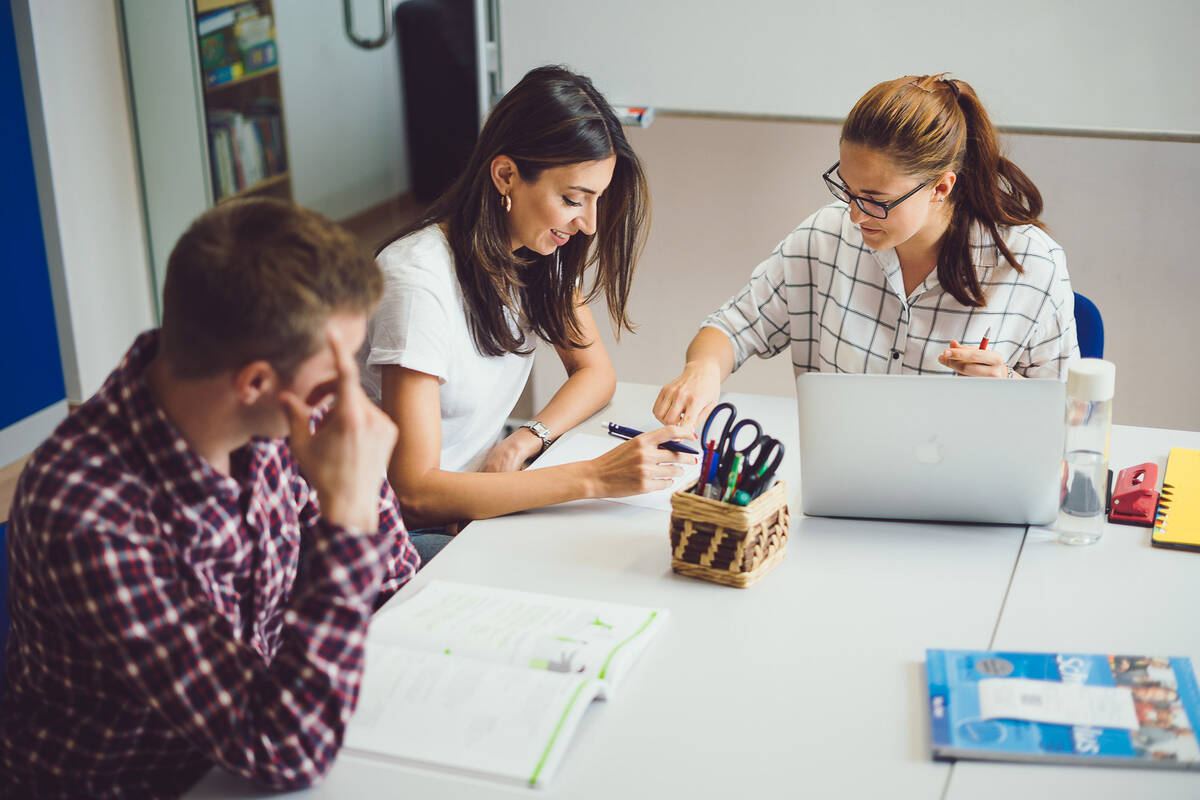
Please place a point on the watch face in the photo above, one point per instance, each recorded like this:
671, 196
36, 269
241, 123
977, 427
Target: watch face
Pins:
541, 430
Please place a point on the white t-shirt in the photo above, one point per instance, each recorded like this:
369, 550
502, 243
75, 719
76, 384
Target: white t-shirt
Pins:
421, 325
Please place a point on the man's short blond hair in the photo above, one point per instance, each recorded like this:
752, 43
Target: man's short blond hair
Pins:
256, 279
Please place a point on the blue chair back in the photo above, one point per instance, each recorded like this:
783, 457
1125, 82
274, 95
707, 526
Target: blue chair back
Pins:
1089, 327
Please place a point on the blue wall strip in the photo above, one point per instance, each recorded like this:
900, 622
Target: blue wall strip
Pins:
32, 365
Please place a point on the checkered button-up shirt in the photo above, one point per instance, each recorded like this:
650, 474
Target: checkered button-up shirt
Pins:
167, 617
840, 306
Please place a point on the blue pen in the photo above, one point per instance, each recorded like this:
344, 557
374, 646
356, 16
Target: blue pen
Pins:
621, 432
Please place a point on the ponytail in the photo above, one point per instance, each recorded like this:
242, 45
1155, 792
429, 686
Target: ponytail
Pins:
930, 125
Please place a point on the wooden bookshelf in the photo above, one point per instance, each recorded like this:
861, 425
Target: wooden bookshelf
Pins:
244, 118
209, 6
251, 76
265, 186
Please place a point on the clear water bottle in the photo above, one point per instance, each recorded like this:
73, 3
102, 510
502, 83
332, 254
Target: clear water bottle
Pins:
1090, 383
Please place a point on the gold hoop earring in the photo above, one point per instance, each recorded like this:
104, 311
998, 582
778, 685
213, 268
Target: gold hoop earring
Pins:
507, 203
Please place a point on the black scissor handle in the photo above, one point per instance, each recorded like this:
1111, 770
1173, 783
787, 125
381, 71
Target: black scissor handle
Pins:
712, 416
766, 464
730, 447
737, 429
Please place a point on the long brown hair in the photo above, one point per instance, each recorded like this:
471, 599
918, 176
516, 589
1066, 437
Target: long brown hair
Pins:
553, 117
929, 125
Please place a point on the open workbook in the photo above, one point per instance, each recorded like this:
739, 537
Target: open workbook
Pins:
491, 682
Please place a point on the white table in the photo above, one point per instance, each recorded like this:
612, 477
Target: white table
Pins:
1119, 595
810, 683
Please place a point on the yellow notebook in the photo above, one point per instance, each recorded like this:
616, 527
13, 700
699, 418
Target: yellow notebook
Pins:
1177, 523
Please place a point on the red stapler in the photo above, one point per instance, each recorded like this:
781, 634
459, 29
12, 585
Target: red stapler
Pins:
1134, 497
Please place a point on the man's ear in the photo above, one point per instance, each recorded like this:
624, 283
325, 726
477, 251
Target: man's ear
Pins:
504, 174
254, 380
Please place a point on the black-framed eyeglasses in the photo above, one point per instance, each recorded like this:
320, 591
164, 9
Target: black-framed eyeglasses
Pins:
872, 208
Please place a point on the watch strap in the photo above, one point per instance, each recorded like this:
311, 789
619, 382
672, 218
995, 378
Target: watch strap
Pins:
541, 431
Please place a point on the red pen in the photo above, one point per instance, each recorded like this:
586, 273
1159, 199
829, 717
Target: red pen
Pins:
983, 343
709, 450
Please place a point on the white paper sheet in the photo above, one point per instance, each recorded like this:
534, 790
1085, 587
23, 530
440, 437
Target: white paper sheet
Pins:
586, 446
1057, 703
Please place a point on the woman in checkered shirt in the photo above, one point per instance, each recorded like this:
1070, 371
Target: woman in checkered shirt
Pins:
934, 243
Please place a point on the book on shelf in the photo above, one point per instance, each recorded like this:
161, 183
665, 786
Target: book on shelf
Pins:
260, 57
221, 158
245, 148
253, 29
225, 74
235, 42
267, 116
217, 51
250, 149
491, 682
208, 24
1064, 708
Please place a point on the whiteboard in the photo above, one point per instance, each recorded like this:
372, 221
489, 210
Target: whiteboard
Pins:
1127, 68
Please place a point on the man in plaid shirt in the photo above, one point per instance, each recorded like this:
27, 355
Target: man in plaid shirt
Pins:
179, 597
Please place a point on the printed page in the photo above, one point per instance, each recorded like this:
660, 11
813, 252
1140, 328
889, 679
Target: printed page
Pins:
472, 716
588, 638
586, 446
1057, 703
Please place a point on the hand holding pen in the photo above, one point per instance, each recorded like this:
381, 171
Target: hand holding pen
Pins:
975, 360
623, 432
640, 464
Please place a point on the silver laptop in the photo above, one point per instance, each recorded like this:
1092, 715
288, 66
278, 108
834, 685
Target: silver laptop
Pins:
930, 447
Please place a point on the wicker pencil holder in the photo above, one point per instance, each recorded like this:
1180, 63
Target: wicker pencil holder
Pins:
728, 544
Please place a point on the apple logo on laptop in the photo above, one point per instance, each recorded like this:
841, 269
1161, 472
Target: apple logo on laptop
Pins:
930, 452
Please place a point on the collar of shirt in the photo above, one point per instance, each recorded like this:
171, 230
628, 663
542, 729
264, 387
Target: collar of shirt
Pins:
182, 471
984, 255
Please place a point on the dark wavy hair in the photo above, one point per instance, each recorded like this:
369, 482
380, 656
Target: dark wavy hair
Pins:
553, 117
930, 125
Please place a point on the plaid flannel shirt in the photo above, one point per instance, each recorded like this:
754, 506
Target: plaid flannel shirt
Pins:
840, 306
166, 617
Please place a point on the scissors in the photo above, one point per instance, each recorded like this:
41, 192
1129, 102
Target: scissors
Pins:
763, 467
727, 441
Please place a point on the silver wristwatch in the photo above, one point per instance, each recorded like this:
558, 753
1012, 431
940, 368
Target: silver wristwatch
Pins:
541, 431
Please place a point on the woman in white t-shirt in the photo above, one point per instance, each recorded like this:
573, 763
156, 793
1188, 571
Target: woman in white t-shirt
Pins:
552, 189
933, 245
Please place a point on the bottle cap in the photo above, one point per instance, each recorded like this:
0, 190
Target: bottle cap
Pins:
1091, 379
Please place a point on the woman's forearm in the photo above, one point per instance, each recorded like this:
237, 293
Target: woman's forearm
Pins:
712, 347
439, 497
586, 391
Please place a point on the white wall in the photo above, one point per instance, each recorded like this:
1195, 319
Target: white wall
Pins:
726, 191
342, 106
1107, 65
84, 156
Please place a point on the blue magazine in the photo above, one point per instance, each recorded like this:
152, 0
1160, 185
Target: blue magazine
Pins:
1152, 703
